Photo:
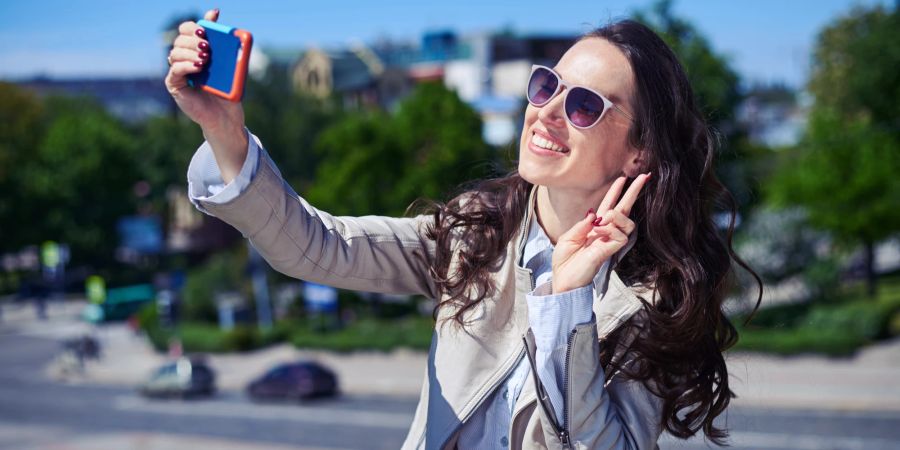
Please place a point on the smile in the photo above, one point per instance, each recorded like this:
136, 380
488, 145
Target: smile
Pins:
545, 142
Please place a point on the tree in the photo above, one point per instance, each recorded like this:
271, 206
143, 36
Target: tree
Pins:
21, 125
81, 180
845, 170
288, 123
68, 172
378, 163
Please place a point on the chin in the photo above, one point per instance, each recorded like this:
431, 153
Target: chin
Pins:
535, 175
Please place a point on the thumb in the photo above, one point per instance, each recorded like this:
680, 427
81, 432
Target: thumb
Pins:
579, 231
212, 15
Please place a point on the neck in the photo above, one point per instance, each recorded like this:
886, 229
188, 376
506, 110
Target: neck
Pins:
560, 209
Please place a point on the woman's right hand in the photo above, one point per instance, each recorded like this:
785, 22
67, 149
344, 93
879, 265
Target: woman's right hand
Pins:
222, 121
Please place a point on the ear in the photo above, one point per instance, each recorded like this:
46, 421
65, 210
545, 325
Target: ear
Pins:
636, 163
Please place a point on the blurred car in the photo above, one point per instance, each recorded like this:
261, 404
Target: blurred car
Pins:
294, 381
183, 378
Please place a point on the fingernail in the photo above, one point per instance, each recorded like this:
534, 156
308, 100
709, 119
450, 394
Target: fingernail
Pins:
200, 32
648, 174
203, 55
597, 221
216, 11
203, 45
198, 64
590, 211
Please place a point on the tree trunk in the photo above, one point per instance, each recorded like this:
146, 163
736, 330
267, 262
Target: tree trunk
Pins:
871, 276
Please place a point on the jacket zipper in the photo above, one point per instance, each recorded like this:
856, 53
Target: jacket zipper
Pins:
562, 432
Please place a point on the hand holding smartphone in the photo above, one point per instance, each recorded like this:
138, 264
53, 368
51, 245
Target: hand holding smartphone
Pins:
225, 73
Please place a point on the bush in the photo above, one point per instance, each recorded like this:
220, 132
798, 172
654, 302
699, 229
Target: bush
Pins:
837, 327
222, 272
801, 340
369, 334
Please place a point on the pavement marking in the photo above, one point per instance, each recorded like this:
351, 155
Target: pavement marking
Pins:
299, 413
758, 440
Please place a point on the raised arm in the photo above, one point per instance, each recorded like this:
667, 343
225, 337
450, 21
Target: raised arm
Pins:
379, 254
371, 253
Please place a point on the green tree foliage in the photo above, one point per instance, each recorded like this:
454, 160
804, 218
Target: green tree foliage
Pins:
166, 145
288, 123
21, 125
79, 179
379, 163
845, 170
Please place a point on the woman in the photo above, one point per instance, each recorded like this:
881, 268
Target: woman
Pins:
557, 326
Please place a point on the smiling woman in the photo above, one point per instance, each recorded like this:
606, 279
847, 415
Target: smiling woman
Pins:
579, 297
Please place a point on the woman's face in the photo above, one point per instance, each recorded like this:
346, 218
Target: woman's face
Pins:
591, 158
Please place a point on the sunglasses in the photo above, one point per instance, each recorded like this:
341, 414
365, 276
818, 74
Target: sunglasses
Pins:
584, 106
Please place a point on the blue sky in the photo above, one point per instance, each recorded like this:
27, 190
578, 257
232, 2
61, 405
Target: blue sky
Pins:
766, 40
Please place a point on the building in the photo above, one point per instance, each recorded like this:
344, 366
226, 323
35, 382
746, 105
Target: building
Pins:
129, 99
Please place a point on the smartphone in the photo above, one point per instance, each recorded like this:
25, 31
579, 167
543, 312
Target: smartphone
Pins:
229, 55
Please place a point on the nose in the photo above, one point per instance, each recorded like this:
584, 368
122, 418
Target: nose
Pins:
553, 113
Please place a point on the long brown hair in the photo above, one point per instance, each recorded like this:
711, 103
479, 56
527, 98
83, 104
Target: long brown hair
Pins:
679, 252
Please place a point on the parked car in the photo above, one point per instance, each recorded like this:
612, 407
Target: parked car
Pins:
186, 377
294, 381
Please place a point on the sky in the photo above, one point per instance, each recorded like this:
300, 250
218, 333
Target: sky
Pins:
765, 40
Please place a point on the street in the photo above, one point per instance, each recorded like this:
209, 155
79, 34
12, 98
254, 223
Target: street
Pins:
39, 413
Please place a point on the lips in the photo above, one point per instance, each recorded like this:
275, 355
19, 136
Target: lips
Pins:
545, 141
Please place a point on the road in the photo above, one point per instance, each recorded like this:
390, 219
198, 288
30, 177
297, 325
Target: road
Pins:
38, 413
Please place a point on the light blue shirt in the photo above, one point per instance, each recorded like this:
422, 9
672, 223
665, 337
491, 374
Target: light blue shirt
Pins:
551, 317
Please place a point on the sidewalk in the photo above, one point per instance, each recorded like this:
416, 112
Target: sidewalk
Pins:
868, 381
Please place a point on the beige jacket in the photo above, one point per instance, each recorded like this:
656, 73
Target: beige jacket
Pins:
382, 254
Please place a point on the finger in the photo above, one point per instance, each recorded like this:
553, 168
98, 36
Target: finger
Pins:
618, 219
610, 233
212, 15
631, 194
581, 228
188, 28
182, 69
180, 54
611, 195
191, 42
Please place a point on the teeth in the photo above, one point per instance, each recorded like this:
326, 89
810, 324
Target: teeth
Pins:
544, 143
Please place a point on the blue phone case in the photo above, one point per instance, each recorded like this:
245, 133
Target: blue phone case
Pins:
226, 69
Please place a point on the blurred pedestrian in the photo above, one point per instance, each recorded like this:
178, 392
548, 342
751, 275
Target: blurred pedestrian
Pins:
579, 297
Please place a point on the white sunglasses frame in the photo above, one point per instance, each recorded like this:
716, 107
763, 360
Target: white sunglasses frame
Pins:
560, 84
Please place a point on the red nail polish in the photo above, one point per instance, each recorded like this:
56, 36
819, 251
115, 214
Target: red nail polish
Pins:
203, 45
198, 64
203, 55
590, 211
200, 32
597, 221
216, 11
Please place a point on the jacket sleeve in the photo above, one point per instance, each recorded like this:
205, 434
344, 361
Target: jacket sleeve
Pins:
621, 414
371, 253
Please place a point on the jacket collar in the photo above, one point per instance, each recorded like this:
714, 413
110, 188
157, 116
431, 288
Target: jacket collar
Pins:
614, 302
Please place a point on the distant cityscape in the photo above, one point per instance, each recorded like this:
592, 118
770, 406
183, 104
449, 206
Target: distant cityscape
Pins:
487, 70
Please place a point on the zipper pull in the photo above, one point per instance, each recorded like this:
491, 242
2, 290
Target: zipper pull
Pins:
564, 439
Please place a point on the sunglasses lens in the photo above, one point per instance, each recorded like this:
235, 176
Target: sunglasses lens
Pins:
584, 107
541, 86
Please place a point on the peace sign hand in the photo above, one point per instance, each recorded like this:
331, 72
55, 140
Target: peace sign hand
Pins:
581, 251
